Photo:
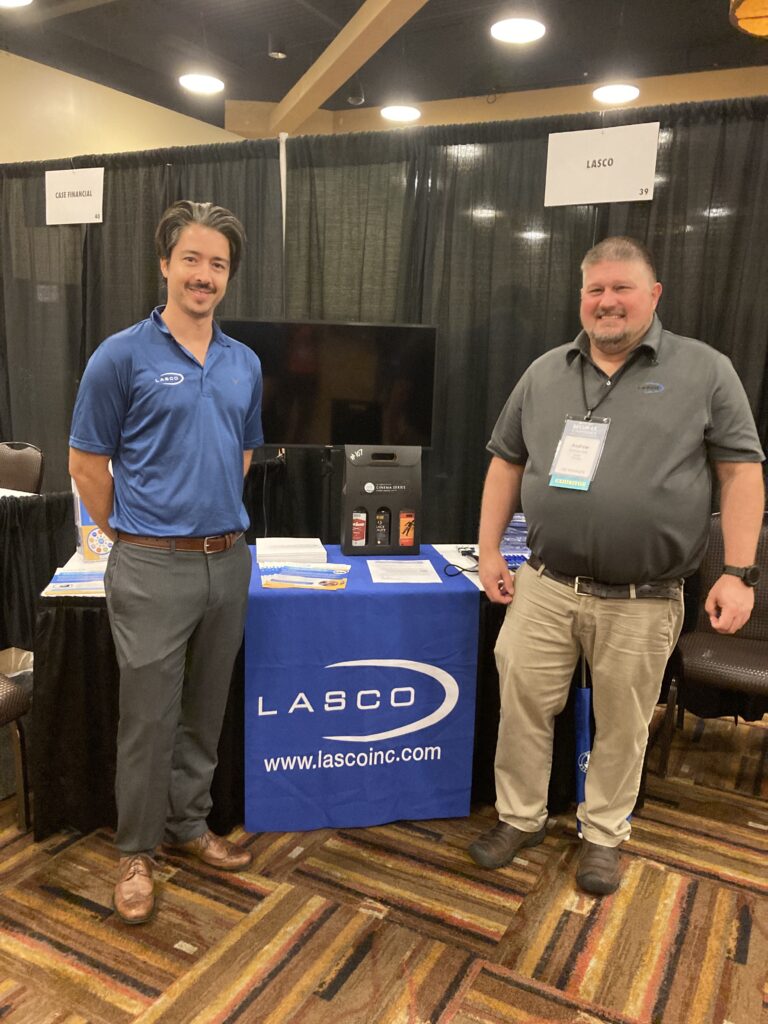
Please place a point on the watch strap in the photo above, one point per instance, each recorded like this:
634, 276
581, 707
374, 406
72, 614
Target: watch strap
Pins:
748, 574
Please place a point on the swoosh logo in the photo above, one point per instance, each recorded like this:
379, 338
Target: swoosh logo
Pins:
446, 680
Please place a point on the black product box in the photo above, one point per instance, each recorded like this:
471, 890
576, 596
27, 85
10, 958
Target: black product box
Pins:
381, 500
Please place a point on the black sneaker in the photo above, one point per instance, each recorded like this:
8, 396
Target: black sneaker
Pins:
498, 846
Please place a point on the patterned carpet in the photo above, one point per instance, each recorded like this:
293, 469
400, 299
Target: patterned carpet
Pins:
395, 925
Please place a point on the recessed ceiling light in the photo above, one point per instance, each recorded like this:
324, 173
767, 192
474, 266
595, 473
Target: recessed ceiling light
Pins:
518, 30
616, 93
205, 85
15, 3
400, 113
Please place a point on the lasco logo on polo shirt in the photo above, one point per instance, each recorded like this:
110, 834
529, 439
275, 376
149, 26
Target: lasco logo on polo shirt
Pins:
375, 700
650, 388
169, 378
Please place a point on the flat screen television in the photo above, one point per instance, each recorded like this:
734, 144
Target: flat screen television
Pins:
335, 384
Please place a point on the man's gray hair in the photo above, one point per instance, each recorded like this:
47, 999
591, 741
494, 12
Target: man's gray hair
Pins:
185, 212
620, 248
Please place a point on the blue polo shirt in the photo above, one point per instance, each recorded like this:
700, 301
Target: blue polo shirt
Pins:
175, 430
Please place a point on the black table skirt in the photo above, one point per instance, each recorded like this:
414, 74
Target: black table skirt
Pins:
562, 782
74, 727
37, 534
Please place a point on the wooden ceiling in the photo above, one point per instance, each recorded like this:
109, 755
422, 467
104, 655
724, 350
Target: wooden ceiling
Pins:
415, 50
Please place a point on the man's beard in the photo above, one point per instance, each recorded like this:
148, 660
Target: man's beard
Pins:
610, 343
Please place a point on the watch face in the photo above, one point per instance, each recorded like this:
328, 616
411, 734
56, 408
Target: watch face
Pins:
752, 575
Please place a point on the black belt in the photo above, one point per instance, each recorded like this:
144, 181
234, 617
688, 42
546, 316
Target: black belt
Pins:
208, 545
588, 587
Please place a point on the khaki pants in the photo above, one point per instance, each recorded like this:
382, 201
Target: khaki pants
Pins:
627, 644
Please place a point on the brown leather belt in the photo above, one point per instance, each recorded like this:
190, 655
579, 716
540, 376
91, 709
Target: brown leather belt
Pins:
588, 587
208, 545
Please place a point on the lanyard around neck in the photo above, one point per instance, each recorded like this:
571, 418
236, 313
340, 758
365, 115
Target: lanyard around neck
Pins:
601, 399
606, 390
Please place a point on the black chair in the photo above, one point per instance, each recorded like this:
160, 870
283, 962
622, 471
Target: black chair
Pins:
21, 466
706, 659
15, 702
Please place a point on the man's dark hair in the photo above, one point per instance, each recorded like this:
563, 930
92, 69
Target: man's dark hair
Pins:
618, 249
184, 213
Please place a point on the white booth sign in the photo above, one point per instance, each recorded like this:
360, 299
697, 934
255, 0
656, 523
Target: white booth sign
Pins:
74, 196
604, 165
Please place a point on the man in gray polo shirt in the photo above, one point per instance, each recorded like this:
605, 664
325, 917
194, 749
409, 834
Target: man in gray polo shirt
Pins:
609, 444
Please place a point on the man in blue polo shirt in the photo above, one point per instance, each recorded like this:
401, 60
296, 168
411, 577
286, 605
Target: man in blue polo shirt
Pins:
176, 406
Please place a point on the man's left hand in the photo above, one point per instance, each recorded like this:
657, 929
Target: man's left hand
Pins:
729, 604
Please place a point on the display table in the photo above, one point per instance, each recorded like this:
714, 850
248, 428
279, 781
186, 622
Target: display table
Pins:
360, 702
73, 736
37, 534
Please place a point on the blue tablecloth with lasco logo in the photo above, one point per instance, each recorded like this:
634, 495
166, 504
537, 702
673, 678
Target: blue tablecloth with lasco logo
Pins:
359, 703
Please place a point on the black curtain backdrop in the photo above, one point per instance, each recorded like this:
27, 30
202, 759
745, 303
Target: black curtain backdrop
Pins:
63, 289
447, 225
441, 225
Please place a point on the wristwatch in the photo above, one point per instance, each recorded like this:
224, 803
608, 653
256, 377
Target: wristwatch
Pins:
748, 574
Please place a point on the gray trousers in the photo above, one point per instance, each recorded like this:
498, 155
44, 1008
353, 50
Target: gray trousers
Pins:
177, 620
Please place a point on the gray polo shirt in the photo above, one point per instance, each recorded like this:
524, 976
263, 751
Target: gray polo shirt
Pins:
676, 406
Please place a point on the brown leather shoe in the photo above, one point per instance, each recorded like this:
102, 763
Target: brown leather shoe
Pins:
498, 846
216, 851
598, 870
134, 898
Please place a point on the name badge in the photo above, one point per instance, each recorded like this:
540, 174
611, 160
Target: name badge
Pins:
578, 453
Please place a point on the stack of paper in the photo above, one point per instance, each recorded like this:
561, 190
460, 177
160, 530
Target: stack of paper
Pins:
314, 576
401, 570
78, 578
294, 550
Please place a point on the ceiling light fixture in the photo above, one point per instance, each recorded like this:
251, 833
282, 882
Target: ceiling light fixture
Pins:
356, 96
518, 30
751, 16
204, 85
616, 93
275, 48
15, 3
400, 113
